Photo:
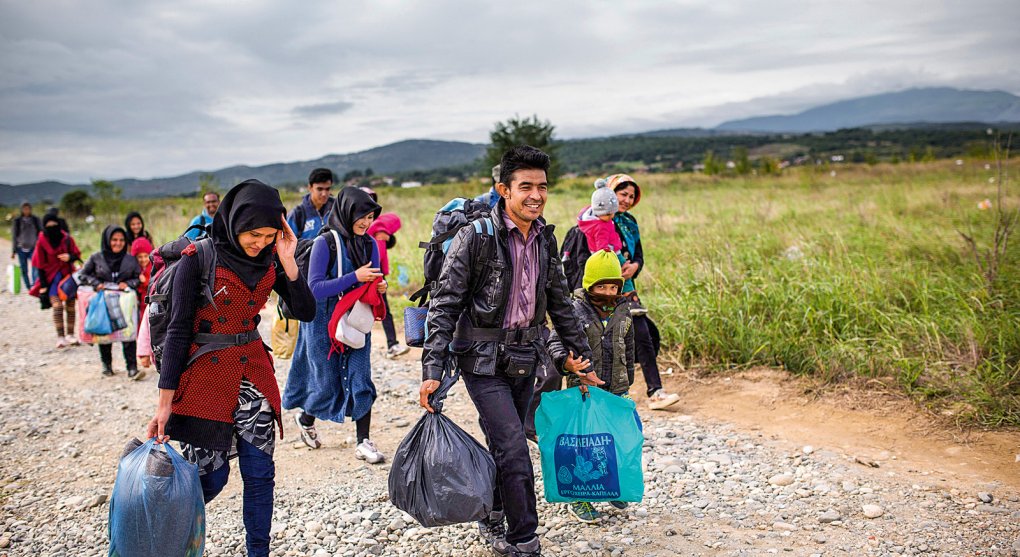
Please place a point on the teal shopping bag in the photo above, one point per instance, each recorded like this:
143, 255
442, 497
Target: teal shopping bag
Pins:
591, 447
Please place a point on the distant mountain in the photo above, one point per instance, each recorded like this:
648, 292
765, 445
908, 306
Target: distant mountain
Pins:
927, 105
408, 155
940, 115
34, 192
687, 132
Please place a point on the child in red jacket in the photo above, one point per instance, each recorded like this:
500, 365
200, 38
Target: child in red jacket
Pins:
142, 249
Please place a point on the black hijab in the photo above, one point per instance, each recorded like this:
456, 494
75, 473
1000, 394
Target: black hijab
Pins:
113, 260
351, 205
127, 227
54, 235
249, 205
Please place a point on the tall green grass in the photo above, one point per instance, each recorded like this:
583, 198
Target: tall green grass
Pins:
858, 274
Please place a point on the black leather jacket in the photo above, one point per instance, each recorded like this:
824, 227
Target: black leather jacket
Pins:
474, 288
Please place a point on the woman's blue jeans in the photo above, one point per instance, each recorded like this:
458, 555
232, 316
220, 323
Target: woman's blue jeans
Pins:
258, 472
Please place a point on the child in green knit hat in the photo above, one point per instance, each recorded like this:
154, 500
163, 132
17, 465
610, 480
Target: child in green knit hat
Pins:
604, 316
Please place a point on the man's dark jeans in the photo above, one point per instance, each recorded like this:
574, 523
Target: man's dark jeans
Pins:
24, 257
502, 403
549, 383
258, 472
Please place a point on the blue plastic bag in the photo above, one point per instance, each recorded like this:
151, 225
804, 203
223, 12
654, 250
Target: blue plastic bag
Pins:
591, 447
97, 317
157, 508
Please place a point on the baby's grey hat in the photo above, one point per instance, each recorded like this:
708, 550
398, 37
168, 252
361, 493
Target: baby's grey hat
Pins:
603, 201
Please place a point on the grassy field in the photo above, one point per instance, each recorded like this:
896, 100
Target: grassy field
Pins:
861, 273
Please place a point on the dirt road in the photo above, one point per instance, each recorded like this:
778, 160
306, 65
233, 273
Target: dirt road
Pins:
747, 465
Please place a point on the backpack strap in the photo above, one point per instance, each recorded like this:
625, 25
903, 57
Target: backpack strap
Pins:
483, 223
207, 252
522, 336
209, 342
339, 254
436, 243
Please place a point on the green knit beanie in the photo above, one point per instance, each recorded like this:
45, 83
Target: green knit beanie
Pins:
602, 266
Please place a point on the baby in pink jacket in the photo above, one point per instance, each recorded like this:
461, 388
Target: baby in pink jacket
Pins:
596, 220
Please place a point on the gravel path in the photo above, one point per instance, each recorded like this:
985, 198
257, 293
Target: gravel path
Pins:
710, 488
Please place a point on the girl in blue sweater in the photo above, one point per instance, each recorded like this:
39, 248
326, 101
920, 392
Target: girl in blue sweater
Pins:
337, 387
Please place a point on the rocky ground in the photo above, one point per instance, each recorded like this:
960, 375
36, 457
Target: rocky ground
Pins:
712, 488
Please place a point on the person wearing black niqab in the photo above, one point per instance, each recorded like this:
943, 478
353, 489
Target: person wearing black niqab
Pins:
313, 384
54, 257
55, 213
52, 231
218, 394
113, 267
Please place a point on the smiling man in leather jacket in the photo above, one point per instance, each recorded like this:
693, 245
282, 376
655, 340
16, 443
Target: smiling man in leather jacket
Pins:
500, 277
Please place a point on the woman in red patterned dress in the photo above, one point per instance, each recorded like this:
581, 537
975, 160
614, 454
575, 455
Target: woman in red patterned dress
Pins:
218, 394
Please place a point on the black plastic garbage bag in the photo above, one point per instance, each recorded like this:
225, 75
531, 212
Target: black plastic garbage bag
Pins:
440, 474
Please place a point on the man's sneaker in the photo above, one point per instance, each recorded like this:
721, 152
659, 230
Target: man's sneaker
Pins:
660, 400
492, 528
308, 433
531, 548
619, 504
584, 511
397, 350
135, 374
72, 340
366, 451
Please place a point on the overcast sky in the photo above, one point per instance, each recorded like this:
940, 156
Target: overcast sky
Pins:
130, 88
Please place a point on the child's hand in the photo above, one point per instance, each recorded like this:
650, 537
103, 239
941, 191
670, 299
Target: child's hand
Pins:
145, 361
575, 365
382, 287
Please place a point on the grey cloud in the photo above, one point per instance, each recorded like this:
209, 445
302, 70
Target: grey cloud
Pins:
108, 88
323, 109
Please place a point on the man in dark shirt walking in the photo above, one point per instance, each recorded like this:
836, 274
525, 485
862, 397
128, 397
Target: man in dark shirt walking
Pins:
24, 233
307, 218
487, 317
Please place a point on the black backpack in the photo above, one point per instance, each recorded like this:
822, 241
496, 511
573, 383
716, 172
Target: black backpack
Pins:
574, 253
302, 256
456, 214
160, 295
